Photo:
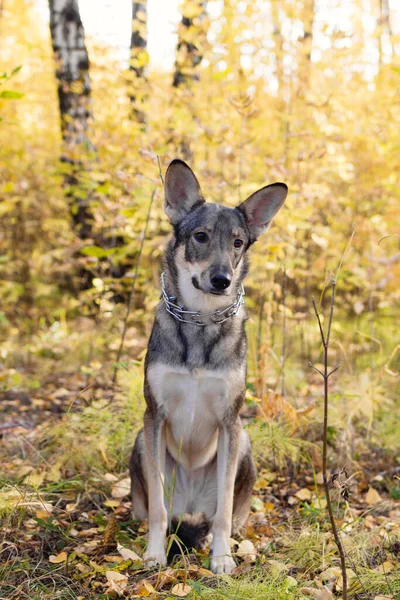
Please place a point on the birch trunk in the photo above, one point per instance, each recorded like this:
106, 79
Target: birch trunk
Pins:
278, 40
192, 38
74, 95
139, 58
306, 40
384, 31
72, 72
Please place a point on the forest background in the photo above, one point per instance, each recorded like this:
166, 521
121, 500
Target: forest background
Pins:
300, 91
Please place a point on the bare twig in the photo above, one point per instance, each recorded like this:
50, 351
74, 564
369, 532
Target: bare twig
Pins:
121, 346
159, 169
326, 374
284, 331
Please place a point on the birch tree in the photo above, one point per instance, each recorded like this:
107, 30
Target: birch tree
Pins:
192, 38
75, 103
139, 58
384, 30
306, 40
278, 41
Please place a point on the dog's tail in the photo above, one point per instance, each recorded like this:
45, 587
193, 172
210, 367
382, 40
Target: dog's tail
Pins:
190, 530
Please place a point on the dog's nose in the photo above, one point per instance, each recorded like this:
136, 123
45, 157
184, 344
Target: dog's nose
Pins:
220, 281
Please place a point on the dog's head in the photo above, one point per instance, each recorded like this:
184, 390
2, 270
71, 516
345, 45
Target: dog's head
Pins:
211, 240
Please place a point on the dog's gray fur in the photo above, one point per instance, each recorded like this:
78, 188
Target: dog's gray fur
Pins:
192, 440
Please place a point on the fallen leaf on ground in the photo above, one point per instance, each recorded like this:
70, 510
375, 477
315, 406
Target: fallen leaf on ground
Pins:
144, 588
128, 554
322, 594
372, 497
330, 574
117, 582
112, 503
246, 551
121, 488
110, 477
58, 558
181, 590
303, 494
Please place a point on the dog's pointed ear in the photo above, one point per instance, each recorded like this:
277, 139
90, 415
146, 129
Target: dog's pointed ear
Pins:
261, 207
182, 191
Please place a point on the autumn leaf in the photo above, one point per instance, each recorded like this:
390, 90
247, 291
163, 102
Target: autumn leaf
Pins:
58, 558
117, 582
121, 488
372, 497
128, 554
181, 590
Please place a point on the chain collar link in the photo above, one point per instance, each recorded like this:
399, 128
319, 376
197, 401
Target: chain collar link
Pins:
198, 318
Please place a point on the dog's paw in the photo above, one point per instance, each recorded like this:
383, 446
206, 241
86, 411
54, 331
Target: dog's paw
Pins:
222, 564
155, 560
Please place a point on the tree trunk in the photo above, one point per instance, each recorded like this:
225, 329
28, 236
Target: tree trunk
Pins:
139, 58
278, 39
384, 29
304, 58
74, 94
192, 37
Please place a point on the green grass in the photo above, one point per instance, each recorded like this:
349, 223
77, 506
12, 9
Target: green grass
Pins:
274, 444
99, 437
258, 584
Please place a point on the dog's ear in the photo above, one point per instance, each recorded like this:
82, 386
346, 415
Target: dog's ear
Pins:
261, 207
182, 191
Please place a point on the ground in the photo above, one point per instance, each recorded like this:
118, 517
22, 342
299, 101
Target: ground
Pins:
66, 530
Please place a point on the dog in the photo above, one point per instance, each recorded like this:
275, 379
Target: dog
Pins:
192, 467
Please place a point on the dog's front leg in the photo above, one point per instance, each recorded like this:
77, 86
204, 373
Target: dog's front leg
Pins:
227, 459
154, 441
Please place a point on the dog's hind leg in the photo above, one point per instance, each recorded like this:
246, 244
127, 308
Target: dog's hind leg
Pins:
137, 469
155, 451
245, 478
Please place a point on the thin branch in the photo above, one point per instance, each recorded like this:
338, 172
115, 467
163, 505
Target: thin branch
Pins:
159, 169
325, 374
328, 335
121, 346
284, 331
344, 253
315, 369
333, 370
319, 322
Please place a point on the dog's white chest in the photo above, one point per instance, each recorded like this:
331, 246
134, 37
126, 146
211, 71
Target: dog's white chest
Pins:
195, 403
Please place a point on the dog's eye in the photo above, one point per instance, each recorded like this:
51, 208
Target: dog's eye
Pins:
238, 243
201, 237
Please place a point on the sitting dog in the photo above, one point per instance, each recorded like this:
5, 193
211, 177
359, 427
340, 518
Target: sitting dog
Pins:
192, 466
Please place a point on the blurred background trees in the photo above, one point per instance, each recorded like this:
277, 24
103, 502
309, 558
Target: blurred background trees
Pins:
302, 92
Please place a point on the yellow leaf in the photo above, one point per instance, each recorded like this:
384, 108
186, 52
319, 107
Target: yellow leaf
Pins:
145, 589
181, 590
112, 503
35, 479
58, 558
117, 582
372, 497
303, 494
